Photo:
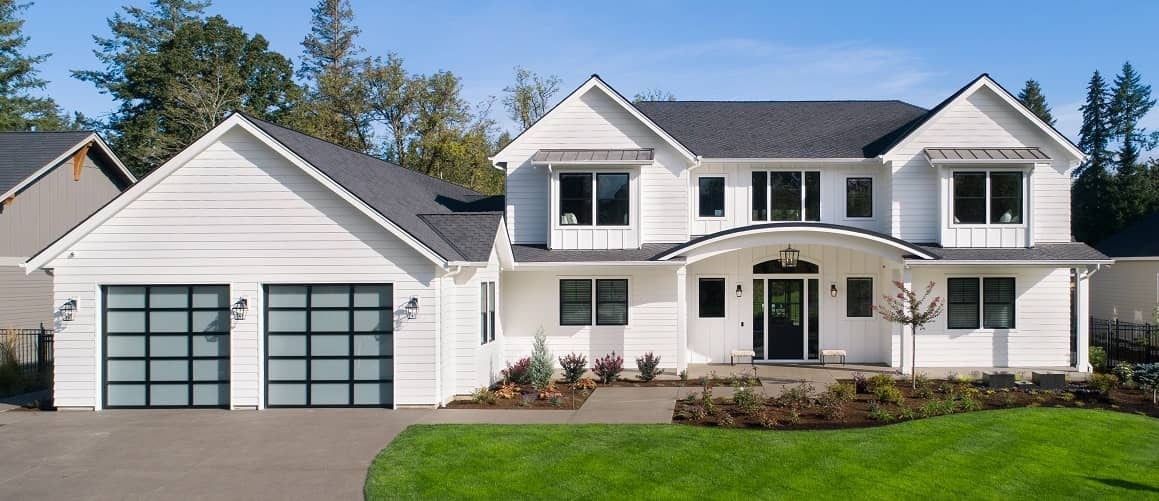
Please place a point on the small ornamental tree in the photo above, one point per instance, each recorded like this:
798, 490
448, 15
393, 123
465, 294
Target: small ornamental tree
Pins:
909, 309
1147, 375
541, 368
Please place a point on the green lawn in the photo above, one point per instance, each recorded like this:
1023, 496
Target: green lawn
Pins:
1040, 453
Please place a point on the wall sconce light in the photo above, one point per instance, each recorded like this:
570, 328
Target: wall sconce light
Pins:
68, 310
832, 290
412, 308
739, 291
240, 308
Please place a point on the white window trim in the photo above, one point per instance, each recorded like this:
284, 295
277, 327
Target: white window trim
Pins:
872, 197
592, 324
989, 170
981, 303
769, 196
489, 305
633, 197
845, 297
727, 309
696, 198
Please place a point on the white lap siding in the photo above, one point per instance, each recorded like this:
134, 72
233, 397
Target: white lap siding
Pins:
470, 363
530, 300
240, 214
1127, 291
1041, 337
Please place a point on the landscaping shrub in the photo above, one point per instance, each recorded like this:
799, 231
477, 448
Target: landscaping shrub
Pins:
798, 396
684, 374
905, 412
508, 391
888, 394
585, 383
725, 419
930, 409
879, 380
518, 373
860, 383
967, 404
549, 392
1105, 384
745, 399
832, 405
483, 396
879, 413
574, 365
649, 366
608, 368
841, 392
1125, 372
766, 419
540, 370
1097, 356
1147, 375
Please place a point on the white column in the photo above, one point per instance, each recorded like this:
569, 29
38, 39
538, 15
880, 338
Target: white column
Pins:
681, 318
1082, 318
906, 332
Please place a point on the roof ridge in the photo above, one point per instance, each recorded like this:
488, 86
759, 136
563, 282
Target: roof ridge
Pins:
780, 101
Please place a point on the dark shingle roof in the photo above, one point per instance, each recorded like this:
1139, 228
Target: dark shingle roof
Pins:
1066, 252
1140, 239
427, 208
783, 129
22, 153
525, 253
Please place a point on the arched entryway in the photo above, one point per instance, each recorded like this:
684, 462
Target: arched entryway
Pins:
786, 310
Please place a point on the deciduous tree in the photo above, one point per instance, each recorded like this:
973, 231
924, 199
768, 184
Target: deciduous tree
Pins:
527, 99
653, 95
913, 311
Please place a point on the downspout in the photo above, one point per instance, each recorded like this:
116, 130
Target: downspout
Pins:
442, 331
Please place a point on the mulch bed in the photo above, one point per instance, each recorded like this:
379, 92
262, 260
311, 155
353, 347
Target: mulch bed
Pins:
529, 399
679, 383
812, 413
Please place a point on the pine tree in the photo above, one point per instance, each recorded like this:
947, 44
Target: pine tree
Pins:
1130, 102
330, 66
19, 109
1090, 194
1032, 97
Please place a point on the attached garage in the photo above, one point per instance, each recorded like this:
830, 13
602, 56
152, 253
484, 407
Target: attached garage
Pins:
166, 346
329, 345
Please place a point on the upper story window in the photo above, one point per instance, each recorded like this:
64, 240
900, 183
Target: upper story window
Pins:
859, 197
710, 197
786, 196
993, 197
608, 207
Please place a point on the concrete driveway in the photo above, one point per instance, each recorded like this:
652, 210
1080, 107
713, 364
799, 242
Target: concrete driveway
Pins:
194, 454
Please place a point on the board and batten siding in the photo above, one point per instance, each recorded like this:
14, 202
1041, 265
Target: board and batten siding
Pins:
1041, 337
595, 121
981, 120
240, 214
1126, 291
531, 302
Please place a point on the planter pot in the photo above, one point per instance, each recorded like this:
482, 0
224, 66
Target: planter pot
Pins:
999, 379
1048, 381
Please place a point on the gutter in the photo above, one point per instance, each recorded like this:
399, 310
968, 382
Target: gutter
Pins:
975, 262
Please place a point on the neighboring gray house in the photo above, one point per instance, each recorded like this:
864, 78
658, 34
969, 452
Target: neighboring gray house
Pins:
50, 182
1129, 289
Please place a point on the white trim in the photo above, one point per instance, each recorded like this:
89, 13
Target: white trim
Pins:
709, 160
57, 248
987, 224
803, 228
769, 195
594, 319
590, 163
872, 197
1136, 258
595, 82
1021, 262
568, 264
873, 283
718, 276
986, 81
696, 198
633, 203
96, 139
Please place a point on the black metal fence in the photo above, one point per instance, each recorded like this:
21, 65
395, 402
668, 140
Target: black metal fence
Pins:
28, 349
1125, 341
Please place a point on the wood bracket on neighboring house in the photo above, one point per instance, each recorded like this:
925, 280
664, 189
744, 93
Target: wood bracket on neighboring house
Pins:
8, 201
78, 160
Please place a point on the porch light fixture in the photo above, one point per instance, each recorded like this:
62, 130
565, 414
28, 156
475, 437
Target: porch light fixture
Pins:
68, 310
412, 308
832, 290
239, 309
789, 257
739, 291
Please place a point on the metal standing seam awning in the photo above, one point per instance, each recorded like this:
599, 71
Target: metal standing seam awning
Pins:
985, 155
593, 157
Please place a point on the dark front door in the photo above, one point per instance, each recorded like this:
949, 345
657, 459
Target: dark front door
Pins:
786, 326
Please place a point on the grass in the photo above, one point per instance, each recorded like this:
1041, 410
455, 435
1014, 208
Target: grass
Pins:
1041, 453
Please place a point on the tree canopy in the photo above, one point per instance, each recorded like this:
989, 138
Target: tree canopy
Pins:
21, 106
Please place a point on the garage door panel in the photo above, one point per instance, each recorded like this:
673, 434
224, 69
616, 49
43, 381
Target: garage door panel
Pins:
373, 344
168, 395
286, 370
212, 345
286, 321
286, 394
125, 395
210, 394
126, 370
125, 346
125, 321
373, 394
286, 345
168, 346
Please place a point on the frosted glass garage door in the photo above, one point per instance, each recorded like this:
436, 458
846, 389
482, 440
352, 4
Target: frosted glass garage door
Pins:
166, 346
329, 345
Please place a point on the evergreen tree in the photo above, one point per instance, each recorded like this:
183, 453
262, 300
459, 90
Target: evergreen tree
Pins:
20, 110
330, 66
1032, 97
1090, 194
1130, 102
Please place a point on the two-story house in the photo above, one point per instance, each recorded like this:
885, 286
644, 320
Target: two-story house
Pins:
262, 267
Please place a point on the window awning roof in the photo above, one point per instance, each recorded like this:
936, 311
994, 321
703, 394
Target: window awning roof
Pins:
593, 157
985, 155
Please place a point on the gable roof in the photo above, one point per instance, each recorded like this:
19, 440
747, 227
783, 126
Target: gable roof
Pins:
391, 195
980, 81
782, 129
26, 156
472, 234
1140, 239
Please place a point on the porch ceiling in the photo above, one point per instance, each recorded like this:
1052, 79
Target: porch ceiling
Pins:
797, 233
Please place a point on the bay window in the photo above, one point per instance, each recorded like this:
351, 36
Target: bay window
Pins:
991, 197
786, 196
586, 197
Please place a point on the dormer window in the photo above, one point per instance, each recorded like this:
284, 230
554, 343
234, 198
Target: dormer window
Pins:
988, 197
585, 197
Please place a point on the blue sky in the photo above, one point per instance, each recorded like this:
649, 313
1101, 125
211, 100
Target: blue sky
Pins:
915, 51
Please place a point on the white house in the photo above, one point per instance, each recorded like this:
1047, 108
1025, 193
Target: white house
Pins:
262, 267
1129, 290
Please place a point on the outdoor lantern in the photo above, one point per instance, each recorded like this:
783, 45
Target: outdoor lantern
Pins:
789, 257
832, 290
240, 308
739, 291
412, 308
68, 310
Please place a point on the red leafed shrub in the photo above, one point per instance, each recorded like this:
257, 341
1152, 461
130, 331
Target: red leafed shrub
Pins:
520, 373
608, 368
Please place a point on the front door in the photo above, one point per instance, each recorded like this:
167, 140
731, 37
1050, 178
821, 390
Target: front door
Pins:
786, 326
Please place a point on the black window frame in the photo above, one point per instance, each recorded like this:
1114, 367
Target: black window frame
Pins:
991, 212
594, 302
854, 308
147, 334
958, 200
988, 284
700, 197
487, 307
865, 191
588, 300
991, 199
721, 301
626, 201
600, 302
595, 213
765, 201
964, 298
583, 218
